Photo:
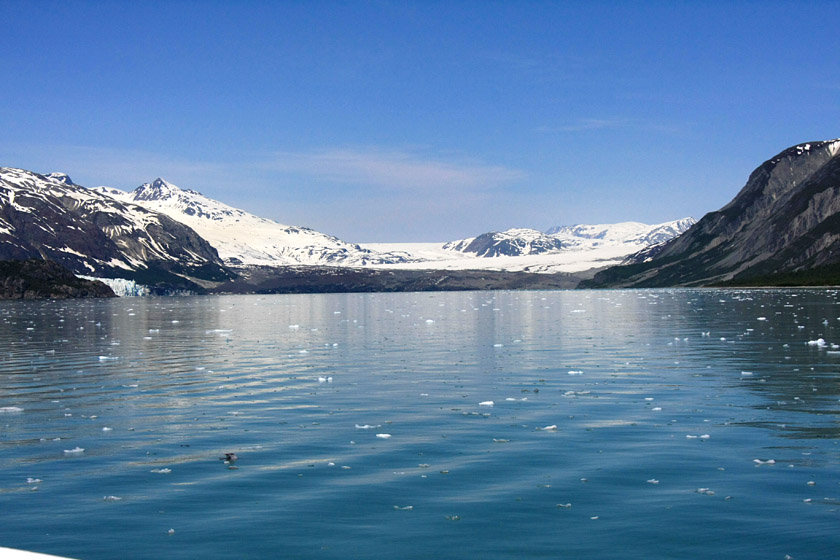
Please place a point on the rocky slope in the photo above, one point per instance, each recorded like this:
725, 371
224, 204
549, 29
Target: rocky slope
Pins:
33, 278
50, 217
786, 219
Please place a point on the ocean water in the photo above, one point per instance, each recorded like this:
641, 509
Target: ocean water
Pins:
486, 425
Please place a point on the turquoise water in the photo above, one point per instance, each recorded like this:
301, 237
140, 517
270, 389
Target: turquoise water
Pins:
623, 424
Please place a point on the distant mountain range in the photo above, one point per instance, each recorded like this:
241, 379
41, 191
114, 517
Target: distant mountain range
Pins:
520, 242
163, 236
782, 228
785, 220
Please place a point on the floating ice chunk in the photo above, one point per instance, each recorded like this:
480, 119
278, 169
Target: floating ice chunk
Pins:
106, 358
294, 327
107, 429
486, 403
575, 372
652, 481
746, 373
594, 518
767, 462
161, 471
565, 506
656, 408
170, 532
761, 318
322, 379
404, 508
33, 480
430, 321
498, 345
74, 451
648, 398
551, 428
367, 426
706, 491
818, 343
811, 483
111, 498
383, 436
10, 409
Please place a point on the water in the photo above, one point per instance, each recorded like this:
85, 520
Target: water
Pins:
664, 402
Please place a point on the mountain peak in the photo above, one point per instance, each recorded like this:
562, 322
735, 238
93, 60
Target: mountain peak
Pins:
62, 178
159, 189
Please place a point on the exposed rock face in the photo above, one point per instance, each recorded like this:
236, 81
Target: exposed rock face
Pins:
786, 219
50, 217
31, 279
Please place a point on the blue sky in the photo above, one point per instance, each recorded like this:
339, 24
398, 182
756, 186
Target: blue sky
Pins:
420, 121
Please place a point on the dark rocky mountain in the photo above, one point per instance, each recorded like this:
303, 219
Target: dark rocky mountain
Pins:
50, 217
786, 220
33, 278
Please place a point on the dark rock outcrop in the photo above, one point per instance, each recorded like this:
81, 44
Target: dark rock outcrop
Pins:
33, 279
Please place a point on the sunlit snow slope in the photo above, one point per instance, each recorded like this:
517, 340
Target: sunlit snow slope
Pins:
243, 239
561, 249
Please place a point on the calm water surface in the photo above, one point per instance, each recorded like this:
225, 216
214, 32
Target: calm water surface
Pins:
609, 424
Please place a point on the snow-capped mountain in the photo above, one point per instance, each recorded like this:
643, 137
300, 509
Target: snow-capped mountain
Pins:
510, 243
624, 232
570, 249
634, 236
243, 239
50, 217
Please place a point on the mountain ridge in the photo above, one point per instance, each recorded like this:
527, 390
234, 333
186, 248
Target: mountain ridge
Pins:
785, 219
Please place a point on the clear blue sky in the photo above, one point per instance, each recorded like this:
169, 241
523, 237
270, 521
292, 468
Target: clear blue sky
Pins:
420, 121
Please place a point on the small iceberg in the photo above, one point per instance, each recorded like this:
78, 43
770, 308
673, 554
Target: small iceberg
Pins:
383, 436
74, 451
